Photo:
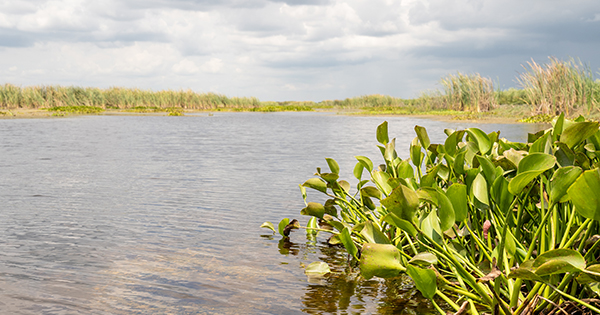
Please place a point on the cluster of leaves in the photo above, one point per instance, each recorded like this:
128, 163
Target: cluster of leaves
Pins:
483, 223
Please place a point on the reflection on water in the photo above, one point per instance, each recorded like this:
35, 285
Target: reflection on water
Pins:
138, 215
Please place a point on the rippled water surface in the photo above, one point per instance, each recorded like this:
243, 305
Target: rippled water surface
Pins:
141, 214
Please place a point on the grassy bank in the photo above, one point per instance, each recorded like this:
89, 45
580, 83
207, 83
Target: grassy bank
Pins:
546, 89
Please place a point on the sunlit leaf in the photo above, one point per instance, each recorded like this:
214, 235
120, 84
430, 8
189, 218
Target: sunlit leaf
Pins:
562, 180
422, 135
380, 260
382, 133
333, 166
424, 259
404, 225
269, 226
403, 202
480, 192
317, 184
529, 168
317, 268
481, 139
366, 163
346, 239
584, 194
282, 224
314, 209
576, 133
457, 193
358, 170
373, 234
312, 224
424, 279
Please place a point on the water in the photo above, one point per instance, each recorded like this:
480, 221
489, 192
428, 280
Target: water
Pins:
146, 214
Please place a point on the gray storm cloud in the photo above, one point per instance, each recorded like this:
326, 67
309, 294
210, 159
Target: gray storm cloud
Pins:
287, 50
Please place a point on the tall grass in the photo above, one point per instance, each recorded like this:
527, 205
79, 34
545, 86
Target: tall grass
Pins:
469, 92
12, 96
560, 86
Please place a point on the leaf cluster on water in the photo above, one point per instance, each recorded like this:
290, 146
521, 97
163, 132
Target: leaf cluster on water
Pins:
483, 223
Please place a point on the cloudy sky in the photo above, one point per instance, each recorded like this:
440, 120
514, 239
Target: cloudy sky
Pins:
288, 50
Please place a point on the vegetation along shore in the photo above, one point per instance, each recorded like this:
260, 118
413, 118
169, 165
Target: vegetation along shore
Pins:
545, 90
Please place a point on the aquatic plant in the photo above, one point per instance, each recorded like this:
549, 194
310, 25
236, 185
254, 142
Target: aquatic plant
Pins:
481, 223
468, 92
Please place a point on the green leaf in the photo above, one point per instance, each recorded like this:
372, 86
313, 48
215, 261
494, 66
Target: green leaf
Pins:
346, 239
488, 169
457, 193
268, 225
334, 167
481, 139
405, 170
381, 180
380, 260
366, 163
314, 209
358, 170
577, 132
431, 227
423, 137
317, 268
416, 156
584, 194
501, 195
557, 126
424, 259
403, 202
370, 191
562, 180
480, 192
558, 261
404, 225
525, 274
382, 133
373, 234
529, 168
424, 279
445, 212
282, 224
543, 144
317, 184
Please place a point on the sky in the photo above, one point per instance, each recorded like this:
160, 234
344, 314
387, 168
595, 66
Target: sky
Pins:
283, 50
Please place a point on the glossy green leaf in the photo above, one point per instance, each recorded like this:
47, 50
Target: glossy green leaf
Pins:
346, 239
334, 167
445, 212
317, 184
424, 279
529, 168
405, 170
480, 192
403, 202
576, 133
314, 209
457, 193
370, 191
329, 177
269, 226
358, 170
389, 153
373, 234
481, 139
382, 133
562, 180
558, 261
416, 156
431, 227
380, 260
585, 194
424, 259
543, 144
381, 180
423, 137
317, 268
557, 126
282, 224
488, 169
501, 195
564, 155
344, 185
404, 225
366, 163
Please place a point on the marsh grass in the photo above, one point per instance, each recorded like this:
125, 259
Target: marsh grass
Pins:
468, 92
560, 86
34, 97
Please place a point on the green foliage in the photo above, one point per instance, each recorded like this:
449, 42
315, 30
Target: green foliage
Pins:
477, 219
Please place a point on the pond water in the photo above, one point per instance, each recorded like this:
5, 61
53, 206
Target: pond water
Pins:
147, 214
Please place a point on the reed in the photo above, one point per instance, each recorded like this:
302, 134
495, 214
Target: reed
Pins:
560, 86
12, 96
469, 92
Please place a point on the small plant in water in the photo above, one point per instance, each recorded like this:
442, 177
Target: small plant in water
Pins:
485, 224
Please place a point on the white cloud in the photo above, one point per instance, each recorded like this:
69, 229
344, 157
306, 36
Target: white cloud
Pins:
324, 49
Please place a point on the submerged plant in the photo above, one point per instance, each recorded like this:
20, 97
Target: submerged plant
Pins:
480, 222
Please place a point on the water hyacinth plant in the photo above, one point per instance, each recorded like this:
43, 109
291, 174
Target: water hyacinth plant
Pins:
480, 223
